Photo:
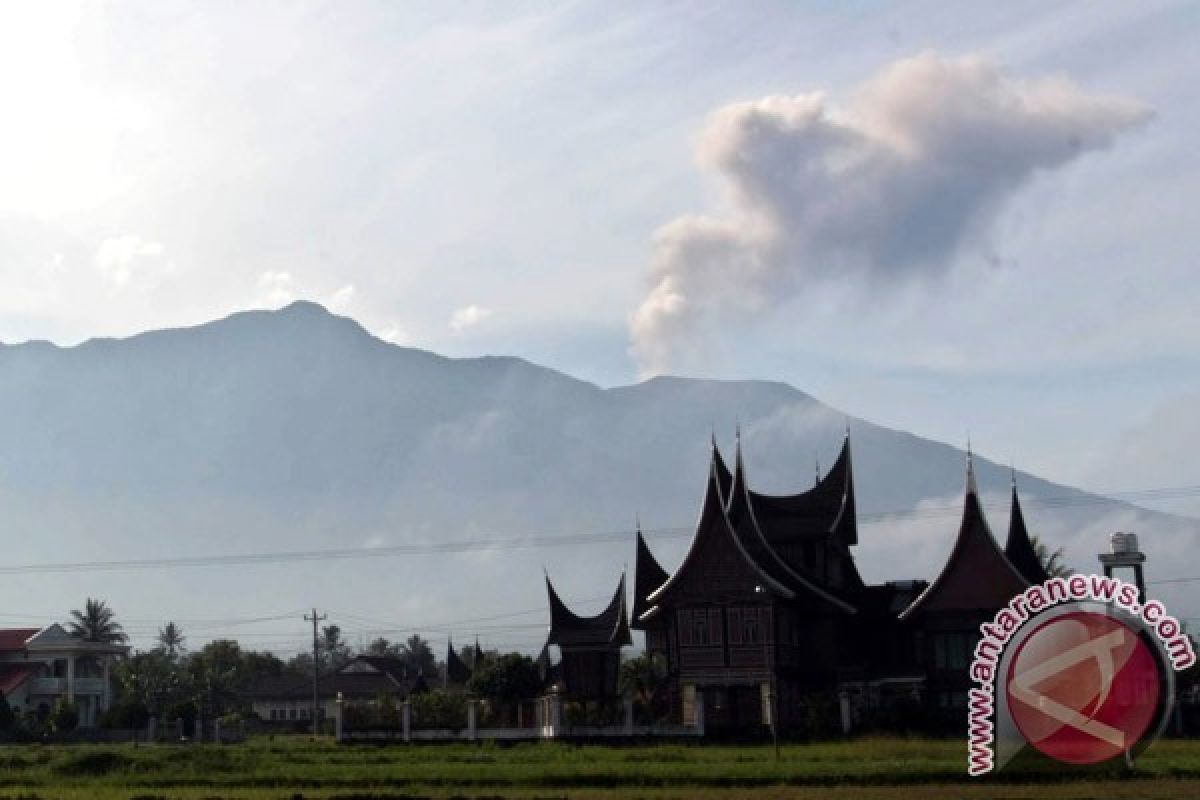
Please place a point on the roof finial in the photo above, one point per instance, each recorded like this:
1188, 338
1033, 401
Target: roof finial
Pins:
847, 427
637, 521
971, 488
1012, 470
818, 472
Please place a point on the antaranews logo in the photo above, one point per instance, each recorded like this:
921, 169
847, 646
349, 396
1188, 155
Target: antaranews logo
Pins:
1077, 668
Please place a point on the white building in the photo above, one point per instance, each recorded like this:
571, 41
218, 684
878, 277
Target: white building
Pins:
37, 667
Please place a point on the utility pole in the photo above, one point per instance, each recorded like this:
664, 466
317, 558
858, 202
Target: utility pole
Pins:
315, 618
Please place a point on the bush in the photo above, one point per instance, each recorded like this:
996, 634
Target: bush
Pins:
440, 709
126, 715
64, 718
8, 720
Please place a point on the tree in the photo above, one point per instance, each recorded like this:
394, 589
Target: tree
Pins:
419, 656
217, 675
382, 647
1052, 562
171, 639
508, 679
334, 650
153, 680
96, 623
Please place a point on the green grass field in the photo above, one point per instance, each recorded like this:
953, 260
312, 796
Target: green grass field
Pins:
297, 768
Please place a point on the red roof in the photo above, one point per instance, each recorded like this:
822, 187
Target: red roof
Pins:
14, 638
13, 675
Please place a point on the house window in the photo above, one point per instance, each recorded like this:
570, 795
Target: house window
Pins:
685, 627
952, 650
700, 632
734, 616
751, 633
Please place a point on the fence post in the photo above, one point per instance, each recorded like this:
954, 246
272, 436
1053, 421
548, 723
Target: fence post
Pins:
217, 730
337, 718
406, 720
472, 719
699, 713
844, 707
151, 729
629, 716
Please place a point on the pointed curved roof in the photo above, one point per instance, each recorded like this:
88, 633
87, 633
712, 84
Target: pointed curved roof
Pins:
827, 508
457, 672
608, 628
648, 575
977, 576
713, 530
1018, 548
742, 518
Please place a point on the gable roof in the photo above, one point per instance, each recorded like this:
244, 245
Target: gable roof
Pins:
14, 639
609, 628
13, 675
977, 576
1019, 548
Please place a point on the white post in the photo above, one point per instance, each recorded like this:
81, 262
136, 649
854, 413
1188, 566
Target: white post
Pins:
105, 698
555, 714
337, 718
70, 679
406, 720
844, 705
472, 720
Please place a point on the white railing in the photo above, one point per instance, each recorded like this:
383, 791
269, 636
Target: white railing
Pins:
48, 686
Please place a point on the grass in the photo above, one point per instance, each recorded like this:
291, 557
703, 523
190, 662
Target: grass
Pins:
294, 768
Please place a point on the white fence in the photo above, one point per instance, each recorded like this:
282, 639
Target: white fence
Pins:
549, 726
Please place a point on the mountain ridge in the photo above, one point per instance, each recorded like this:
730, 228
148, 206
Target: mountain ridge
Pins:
298, 429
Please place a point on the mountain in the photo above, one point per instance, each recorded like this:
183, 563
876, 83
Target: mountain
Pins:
298, 430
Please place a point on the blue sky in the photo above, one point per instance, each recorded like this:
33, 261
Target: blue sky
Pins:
501, 178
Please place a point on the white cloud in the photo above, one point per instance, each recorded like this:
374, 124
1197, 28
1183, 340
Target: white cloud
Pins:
1158, 453
889, 190
276, 288
341, 299
121, 259
395, 334
468, 316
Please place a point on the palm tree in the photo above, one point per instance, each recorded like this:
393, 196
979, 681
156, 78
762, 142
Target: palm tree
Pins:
171, 639
96, 623
1052, 562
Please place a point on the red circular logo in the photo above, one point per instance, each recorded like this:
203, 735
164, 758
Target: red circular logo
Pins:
1083, 688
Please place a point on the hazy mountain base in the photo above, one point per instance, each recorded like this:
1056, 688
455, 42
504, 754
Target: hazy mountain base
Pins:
297, 430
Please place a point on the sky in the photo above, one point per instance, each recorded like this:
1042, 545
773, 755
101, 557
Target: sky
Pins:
966, 220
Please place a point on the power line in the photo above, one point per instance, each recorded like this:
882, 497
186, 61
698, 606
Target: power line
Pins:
546, 540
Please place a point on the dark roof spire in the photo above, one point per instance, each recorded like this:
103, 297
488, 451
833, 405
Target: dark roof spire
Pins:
648, 575
977, 576
1019, 547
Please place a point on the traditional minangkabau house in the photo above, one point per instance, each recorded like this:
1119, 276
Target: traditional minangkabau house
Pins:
769, 618
589, 648
977, 580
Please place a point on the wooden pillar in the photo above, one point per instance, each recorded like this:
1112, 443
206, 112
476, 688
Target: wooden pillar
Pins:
338, 718
406, 720
472, 719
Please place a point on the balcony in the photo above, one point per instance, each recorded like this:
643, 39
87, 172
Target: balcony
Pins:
48, 686
89, 686
58, 686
